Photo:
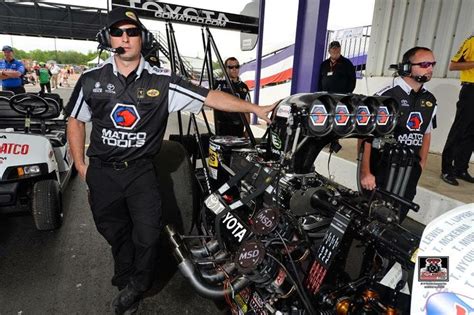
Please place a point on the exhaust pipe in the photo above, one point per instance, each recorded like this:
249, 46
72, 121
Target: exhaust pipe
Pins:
189, 272
216, 276
208, 249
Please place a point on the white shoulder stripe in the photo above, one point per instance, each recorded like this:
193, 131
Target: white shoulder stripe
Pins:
156, 70
187, 92
385, 89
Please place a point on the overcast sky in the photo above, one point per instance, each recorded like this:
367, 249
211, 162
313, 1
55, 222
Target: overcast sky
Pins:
279, 29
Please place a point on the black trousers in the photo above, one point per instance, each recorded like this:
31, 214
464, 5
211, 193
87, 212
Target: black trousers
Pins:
126, 206
380, 167
16, 90
460, 142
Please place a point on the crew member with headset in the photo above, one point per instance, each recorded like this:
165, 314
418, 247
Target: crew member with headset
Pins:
128, 102
11, 72
417, 112
230, 124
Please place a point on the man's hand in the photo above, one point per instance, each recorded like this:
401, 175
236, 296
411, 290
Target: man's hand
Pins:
367, 181
82, 170
263, 111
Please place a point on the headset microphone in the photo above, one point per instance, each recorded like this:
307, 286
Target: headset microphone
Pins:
420, 78
118, 50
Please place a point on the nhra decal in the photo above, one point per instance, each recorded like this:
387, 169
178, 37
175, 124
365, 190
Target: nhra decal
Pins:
342, 115
318, 115
125, 116
14, 148
383, 116
449, 303
414, 121
363, 115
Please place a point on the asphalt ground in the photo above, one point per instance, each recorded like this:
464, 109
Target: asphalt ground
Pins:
68, 271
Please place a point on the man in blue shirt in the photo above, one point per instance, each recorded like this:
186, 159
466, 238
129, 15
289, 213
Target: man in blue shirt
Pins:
11, 71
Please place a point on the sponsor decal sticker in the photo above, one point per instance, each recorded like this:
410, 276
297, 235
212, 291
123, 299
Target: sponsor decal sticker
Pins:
125, 116
110, 88
97, 88
131, 15
414, 121
152, 93
433, 268
319, 115
383, 116
342, 115
363, 115
140, 93
14, 148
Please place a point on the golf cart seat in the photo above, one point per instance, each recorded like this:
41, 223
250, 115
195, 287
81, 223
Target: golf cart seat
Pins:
42, 109
7, 94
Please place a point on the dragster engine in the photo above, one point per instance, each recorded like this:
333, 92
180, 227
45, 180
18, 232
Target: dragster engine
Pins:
275, 237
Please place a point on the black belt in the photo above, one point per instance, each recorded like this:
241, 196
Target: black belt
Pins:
467, 83
116, 165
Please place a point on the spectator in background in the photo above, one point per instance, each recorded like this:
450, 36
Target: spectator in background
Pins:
64, 77
54, 75
460, 143
11, 72
44, 75
230, 124
337, 73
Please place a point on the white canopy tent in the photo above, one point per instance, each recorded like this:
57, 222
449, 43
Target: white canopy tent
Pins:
94, 62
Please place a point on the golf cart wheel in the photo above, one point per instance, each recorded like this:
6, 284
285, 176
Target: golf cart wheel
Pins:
46, 205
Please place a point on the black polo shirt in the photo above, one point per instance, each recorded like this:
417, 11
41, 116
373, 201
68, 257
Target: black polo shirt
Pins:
338, 77
417, 113
241, 91
129, 115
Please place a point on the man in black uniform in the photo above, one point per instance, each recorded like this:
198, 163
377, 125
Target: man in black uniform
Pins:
230, 124
337, 73
460, 142
128, 102
417, 115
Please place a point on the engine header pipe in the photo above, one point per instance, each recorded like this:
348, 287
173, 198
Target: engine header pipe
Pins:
188, 270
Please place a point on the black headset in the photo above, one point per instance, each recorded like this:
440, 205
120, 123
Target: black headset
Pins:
103, 37
404, 68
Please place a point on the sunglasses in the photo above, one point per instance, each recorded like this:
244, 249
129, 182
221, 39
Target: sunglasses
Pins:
424, 64
131, 32
233, 67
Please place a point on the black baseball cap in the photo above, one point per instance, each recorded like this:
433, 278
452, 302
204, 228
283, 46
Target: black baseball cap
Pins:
7, 48
121, 14
334, 44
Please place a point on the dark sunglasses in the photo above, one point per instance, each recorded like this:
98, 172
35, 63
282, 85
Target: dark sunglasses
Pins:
131, 32
233, 67
424, 64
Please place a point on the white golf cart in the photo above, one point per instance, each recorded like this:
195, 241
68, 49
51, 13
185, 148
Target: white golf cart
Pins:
35, 161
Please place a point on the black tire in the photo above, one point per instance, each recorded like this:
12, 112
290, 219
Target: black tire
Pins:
46, 205
176, 180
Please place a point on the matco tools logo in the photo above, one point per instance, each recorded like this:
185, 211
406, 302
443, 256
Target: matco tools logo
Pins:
342, 115
125, 116
318, 115
363, 115
415, 121
383, 116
